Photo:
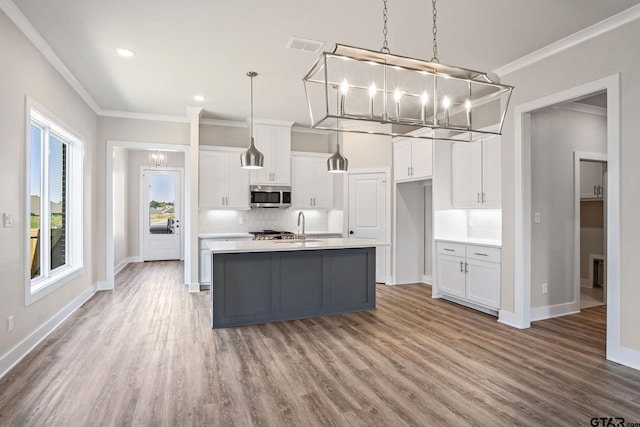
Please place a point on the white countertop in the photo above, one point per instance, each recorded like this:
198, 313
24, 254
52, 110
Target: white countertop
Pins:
224, 235
471, 241
287, 245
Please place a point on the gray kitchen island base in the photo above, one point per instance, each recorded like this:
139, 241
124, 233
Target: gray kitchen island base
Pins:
260, 287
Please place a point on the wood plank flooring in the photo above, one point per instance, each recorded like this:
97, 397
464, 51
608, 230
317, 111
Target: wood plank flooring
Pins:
145, 355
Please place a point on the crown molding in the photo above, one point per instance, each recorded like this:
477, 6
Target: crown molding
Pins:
218, 122
581, 36
143, 116
579, 107
21, 21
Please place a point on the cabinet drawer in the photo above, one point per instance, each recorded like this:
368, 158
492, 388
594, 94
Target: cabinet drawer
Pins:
446, 248
484, 253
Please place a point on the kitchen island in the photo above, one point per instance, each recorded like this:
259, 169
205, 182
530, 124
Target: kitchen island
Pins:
263, 281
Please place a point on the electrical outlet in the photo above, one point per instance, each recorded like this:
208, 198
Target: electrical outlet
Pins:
536, 218
10, 324
545, 288
241, 220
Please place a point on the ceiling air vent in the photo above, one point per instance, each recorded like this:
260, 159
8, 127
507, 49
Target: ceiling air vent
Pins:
305, 45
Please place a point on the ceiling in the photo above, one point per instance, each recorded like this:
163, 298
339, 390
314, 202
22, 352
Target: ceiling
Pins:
206, 47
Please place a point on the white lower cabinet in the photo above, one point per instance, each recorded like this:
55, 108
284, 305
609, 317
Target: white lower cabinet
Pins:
205, 257
469, 272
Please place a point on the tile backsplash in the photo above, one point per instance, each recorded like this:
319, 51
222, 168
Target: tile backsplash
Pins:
228, 221
484, 224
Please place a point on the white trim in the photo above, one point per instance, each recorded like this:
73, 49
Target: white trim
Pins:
194, 287
109, 255
118, 268
551, 311
229, 123
581, 36
626, 356
427, 279
509, 318
143, 116
21, 21
17, 353
522, 198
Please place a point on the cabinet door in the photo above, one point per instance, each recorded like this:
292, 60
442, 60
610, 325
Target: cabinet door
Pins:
237, 183
281, 155
323, 180
451, 275
491, 173
590, 179
302, 182
466, 169
483, 283
263, 141
421, 158
402, 159
212, 180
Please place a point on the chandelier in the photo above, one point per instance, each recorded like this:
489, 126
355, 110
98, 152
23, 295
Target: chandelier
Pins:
349, 88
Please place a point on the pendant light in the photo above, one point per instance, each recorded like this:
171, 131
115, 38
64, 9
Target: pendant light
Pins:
360, 86
337, 163
252, 158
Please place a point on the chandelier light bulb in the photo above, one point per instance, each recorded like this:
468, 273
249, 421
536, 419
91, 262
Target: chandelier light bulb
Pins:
424, 98
397, 95
344, 87
372, 90
446, 102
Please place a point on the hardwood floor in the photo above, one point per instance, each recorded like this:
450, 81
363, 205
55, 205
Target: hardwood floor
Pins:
145, 355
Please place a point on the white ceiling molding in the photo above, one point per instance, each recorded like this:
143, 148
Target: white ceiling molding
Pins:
34, 36
218, 122
580, 107
581, 36
143, 116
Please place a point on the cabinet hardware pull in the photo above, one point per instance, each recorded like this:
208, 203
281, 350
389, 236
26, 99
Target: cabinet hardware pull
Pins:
595, 190
478, 197
409, 170
466, 267
478, 253
461, 267
484, 197
222, 200
450, 250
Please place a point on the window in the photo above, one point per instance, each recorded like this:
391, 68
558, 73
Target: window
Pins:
54, 205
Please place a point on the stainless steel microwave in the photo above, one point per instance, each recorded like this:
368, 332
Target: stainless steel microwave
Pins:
265, 196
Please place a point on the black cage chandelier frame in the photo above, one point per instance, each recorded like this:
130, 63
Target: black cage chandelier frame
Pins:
349, 88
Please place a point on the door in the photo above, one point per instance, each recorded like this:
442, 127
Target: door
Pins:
367, 214
466, 179
451, 275
422, 158
213, 180
402, 159
492, 173
161, 209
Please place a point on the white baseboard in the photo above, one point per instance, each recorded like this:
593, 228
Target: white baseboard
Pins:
103, 286
510, 319
118, 268
16, 354
625, 356
586, 283
427, 279
194, 287
550, 311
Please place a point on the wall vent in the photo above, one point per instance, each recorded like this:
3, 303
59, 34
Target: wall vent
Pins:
297, 43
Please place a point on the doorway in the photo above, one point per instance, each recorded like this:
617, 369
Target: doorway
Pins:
591, 229
367, 193
160, 214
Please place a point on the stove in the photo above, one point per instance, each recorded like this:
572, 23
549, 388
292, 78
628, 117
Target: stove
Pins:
272, 235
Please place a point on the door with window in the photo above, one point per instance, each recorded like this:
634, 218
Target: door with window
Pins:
161, 214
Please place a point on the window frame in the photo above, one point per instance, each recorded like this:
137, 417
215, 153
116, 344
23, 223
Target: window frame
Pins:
50, 280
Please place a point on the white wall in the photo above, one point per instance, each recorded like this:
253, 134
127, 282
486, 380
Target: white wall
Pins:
604, 55
25, 71
555, 135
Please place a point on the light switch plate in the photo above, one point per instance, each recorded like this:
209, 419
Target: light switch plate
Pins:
8, 220
536, 217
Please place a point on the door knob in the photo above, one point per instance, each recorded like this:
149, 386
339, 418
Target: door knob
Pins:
351, 232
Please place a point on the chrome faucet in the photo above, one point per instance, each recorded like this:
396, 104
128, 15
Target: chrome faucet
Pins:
301, 215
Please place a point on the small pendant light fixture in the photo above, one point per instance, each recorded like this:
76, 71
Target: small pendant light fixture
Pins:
337, 163
251, 158
157, 159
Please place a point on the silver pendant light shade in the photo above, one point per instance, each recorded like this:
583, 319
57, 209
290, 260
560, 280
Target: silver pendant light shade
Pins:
337, 163
252, 158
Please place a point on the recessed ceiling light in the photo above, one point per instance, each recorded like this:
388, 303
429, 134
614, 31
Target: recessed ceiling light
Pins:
198, 98
125, 53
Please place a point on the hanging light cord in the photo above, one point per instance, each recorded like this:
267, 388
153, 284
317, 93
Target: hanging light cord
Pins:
385, 45
435, 33
251, 74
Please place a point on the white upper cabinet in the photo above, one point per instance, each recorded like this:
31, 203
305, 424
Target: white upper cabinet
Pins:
311, 183
223, 184
591, 180
476, 174
275, 143
412, 159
